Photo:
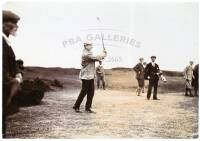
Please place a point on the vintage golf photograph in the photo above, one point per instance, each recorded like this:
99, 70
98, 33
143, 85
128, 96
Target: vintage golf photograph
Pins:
100, 70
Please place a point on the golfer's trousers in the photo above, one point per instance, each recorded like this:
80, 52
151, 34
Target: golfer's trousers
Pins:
87, 89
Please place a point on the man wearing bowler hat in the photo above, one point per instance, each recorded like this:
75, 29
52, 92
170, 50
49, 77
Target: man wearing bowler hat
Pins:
87, 75
152, 73
11, 77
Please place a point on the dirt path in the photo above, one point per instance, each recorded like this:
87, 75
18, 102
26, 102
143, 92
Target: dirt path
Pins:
119, 115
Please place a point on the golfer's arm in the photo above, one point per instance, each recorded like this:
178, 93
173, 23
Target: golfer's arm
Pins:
97, 57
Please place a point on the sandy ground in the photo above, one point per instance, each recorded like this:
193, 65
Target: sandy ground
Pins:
120, 114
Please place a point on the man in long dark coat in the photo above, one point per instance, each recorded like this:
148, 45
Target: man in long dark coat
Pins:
11, 77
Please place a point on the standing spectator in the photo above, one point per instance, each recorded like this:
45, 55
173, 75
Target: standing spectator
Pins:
139, 69
11, 77
195, 80
188, 75
152, 73
100, 75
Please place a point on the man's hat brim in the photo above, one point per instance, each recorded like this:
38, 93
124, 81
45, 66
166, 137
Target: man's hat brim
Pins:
87, 43
153, 56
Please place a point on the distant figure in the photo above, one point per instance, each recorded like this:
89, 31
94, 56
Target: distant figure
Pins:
188, 75
11, 77
195, 80
152, 73
139, 69
100, 75
87, 75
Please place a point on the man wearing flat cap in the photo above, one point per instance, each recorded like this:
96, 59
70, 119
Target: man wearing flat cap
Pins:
11, 77
100, 73
139, 69
87, 75
152, 73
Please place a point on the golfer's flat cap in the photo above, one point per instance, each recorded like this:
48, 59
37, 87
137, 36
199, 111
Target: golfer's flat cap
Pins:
153, 56
141, 58
9, 16
87, 43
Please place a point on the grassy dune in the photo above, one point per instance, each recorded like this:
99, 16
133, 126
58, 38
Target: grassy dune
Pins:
116, 78
124, 78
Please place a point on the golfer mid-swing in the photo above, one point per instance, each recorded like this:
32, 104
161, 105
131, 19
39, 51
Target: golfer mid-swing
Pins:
87, 75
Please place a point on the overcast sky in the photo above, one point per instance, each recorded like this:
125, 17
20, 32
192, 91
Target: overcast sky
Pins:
52, 34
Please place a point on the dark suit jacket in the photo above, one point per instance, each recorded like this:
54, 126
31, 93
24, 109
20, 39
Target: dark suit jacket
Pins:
195, 80
9, 62
139, 69
152, 71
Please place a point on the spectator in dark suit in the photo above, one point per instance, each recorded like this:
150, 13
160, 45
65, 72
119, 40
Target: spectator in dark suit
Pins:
195, 80
152, 73
11, 77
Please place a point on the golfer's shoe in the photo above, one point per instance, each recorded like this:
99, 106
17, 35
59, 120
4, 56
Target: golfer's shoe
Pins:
77, 110
156, 99
89, 111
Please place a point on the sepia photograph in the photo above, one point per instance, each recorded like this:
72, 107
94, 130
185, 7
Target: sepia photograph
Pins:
100, 69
